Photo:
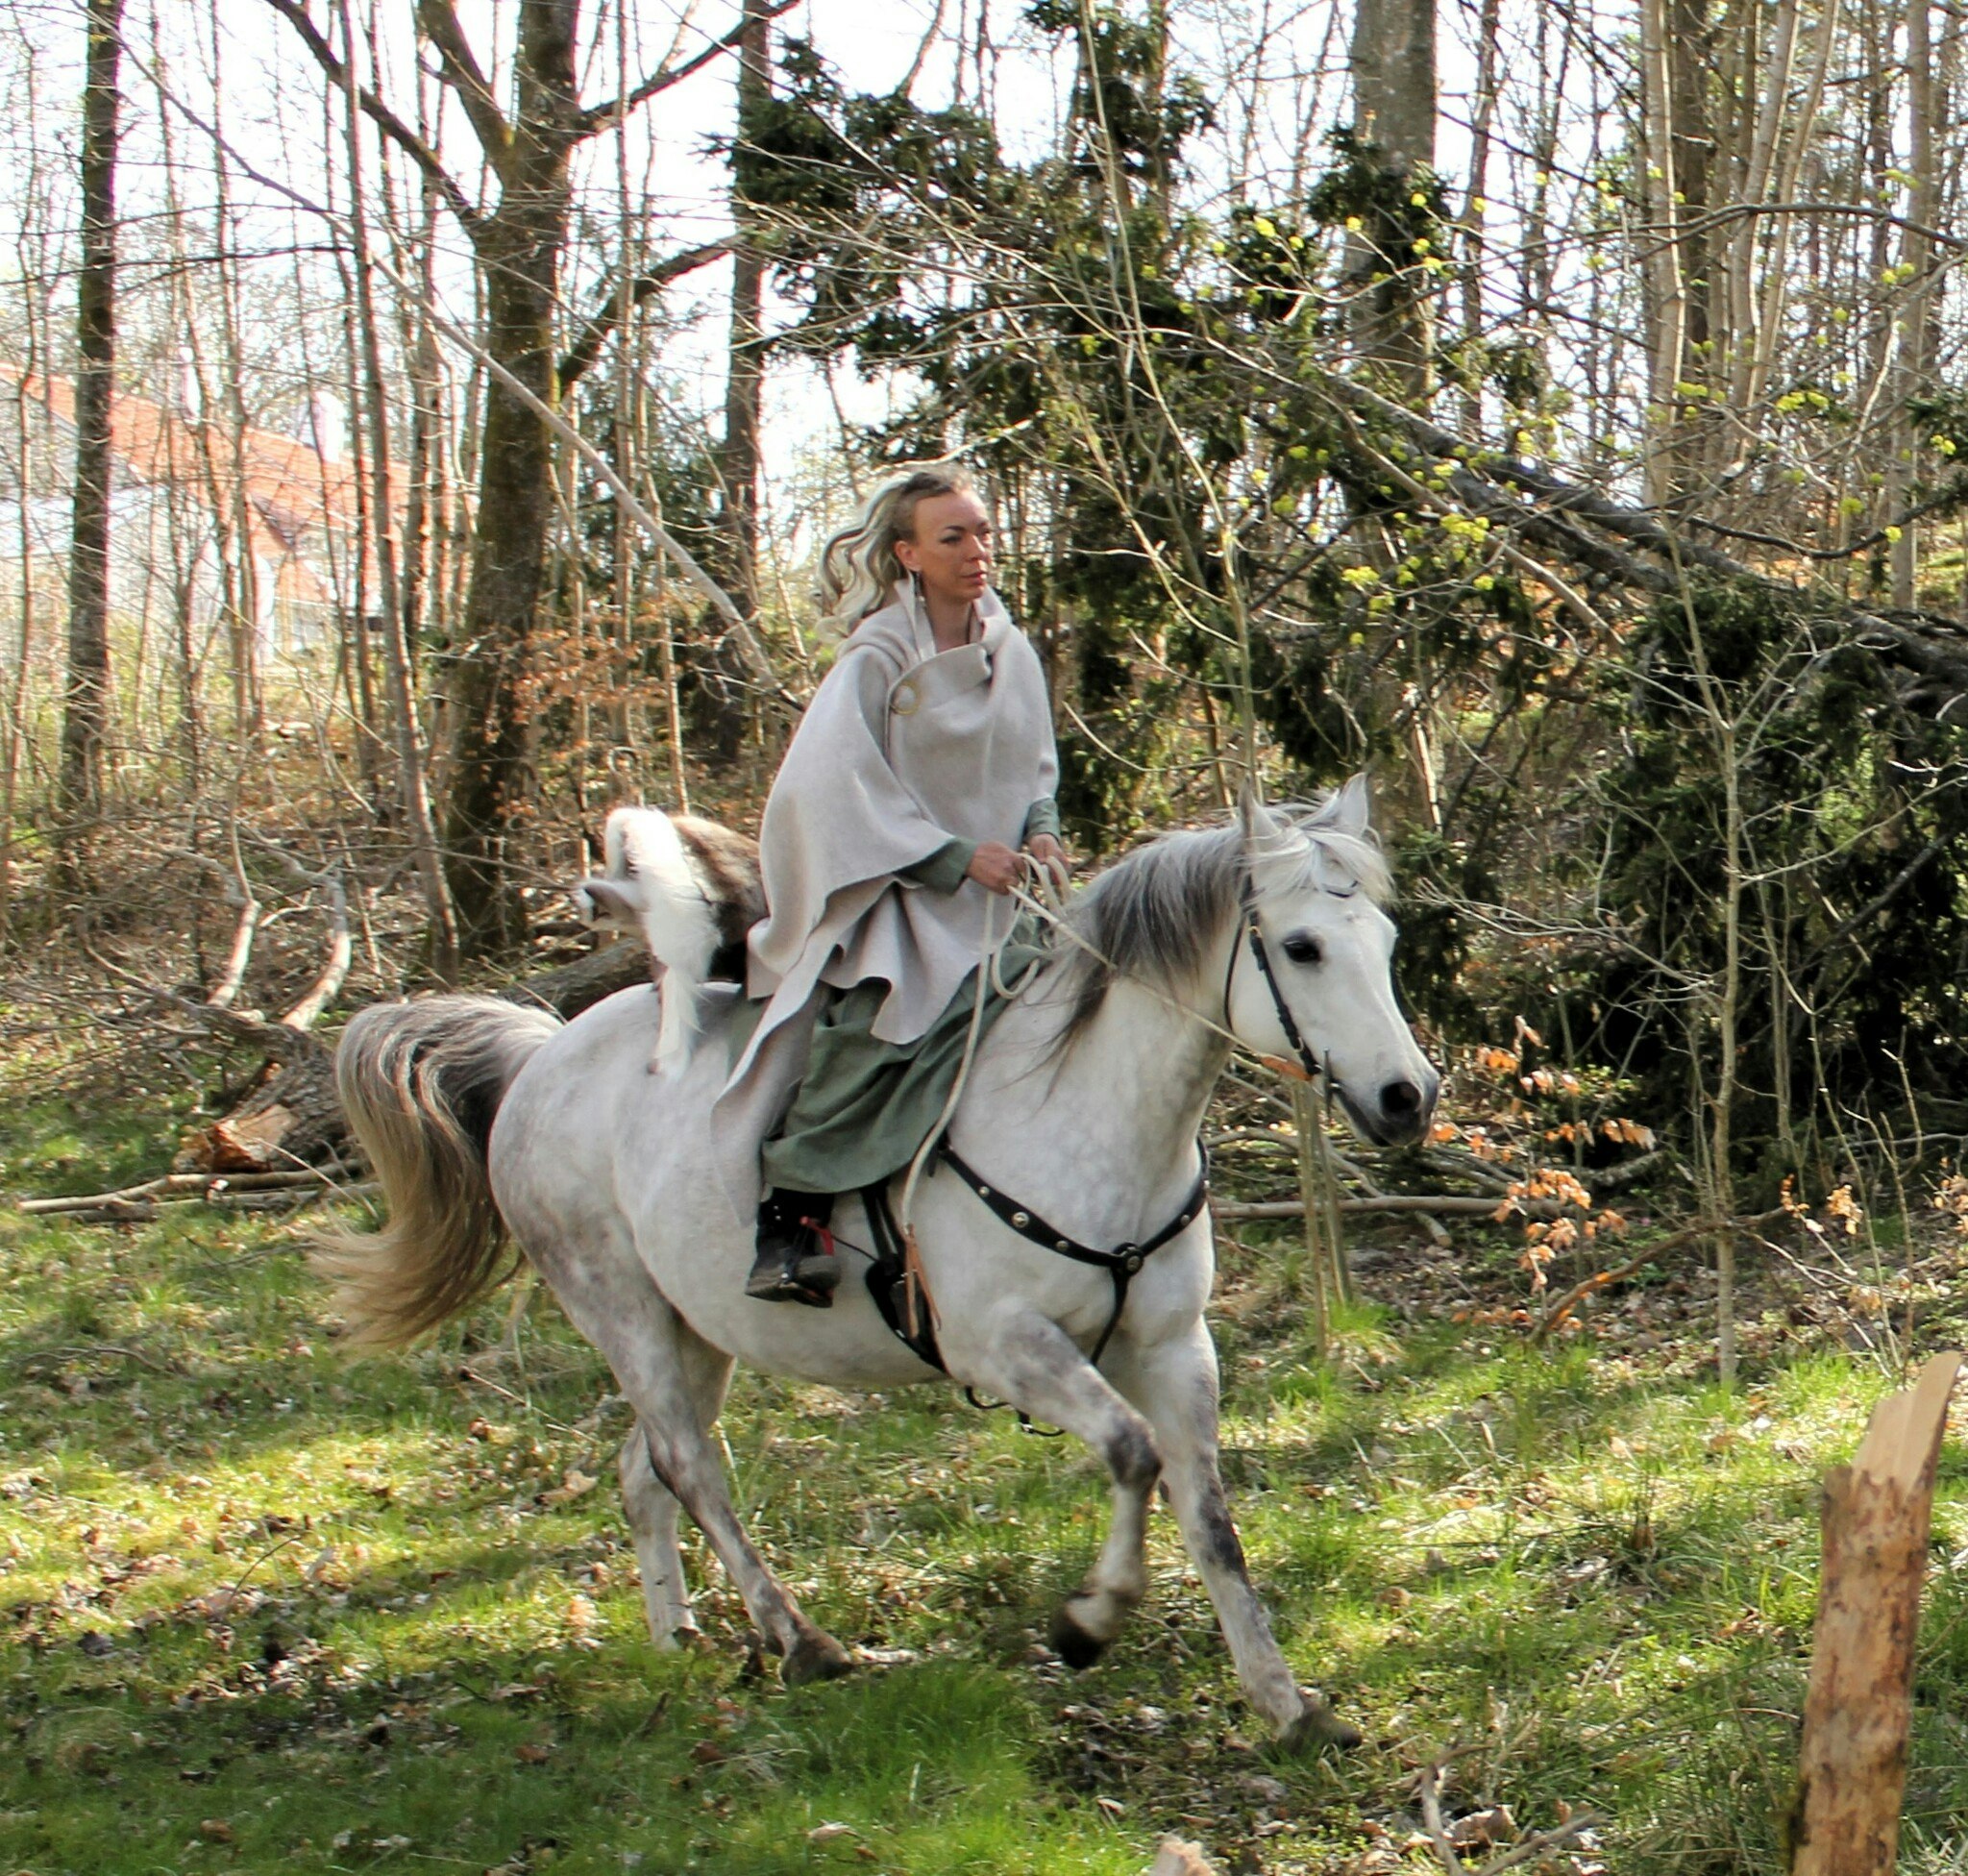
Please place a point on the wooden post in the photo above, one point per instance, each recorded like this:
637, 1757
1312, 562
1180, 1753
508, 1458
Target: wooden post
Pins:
1853, 1769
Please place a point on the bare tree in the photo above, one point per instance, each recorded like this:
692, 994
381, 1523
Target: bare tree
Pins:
85, 719
1394, 112
520, 240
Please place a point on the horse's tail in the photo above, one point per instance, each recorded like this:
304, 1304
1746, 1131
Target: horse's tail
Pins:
420, 1083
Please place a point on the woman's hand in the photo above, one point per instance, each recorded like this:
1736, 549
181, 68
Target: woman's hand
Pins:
995, 867
1047, 849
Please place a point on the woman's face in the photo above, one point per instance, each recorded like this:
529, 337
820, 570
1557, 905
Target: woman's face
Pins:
950, 551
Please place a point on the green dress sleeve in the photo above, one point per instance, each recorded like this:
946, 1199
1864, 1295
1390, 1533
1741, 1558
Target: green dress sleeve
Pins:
1042, 818
945, 869
948, 868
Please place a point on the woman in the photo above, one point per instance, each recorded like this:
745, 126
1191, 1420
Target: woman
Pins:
922, 769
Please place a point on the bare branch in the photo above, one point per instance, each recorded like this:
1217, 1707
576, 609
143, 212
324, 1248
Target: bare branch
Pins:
379, 113
601, 116
461, 72
607, 314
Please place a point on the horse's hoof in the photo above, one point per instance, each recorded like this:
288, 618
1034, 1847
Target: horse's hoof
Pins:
1317, 1725
1070, 1642
815, 1657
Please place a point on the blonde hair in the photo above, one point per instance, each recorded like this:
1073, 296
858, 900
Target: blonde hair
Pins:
858, 567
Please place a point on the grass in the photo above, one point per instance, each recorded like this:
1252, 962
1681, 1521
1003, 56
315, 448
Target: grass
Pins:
262, 1609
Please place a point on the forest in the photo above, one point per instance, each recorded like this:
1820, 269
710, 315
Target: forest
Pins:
421, 426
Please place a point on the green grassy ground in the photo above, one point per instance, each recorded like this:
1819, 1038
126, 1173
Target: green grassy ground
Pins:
264, 1610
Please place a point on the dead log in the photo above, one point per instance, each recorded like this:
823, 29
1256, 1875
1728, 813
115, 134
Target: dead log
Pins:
1877, 1510
580, 985
291, 1117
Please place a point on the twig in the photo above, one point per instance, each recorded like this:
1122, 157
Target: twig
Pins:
1431, 1816
190, 1184
94, 1349
111, 1210
1540, 1841
1536, 1844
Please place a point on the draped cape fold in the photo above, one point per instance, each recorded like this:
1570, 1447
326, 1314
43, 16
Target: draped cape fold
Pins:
902, 749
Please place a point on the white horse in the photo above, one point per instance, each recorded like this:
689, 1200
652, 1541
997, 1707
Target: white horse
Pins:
1084, 1100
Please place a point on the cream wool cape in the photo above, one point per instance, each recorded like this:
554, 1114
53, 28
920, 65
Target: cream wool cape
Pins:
902, 749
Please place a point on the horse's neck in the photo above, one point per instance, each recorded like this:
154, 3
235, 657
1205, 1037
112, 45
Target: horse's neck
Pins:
1127, 1094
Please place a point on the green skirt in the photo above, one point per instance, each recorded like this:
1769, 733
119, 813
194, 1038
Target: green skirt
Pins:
865, 1106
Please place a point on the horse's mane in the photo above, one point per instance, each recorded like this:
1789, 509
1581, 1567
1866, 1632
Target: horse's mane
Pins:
1152, 915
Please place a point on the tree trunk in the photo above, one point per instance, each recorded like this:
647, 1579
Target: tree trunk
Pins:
1394, 100
1916, 336
490, 673
291, 1116
518, 246
86, 717
1676, 142
738, 461
1475, 205
396, 639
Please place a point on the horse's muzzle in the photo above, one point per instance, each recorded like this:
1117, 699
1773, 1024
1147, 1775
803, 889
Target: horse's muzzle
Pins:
1400, 1112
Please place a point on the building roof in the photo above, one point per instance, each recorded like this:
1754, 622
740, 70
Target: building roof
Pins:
294, 495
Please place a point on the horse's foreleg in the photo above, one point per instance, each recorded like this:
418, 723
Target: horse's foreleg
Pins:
660, 1365
1174, 1384
1033, 1364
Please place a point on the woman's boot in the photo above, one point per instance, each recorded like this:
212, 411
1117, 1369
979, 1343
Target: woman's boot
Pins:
796, 1262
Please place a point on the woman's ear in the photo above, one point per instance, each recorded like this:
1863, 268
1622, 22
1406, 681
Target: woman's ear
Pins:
907, 552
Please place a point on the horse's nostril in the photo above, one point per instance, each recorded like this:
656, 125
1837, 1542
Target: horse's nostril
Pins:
1400, 1097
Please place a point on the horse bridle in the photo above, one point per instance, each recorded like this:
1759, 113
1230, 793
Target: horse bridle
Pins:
1308, 1065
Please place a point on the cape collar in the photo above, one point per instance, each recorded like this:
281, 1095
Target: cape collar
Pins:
991, 617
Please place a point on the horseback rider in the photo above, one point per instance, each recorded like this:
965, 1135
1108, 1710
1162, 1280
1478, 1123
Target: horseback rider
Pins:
920, 777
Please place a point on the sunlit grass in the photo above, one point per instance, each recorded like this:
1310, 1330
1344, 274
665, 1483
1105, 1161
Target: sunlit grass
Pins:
263, 1609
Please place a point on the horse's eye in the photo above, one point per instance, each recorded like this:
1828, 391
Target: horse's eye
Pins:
1302, 948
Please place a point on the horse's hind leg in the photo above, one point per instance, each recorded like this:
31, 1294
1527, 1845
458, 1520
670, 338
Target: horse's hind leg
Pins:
653, 1508
660, 1365
653, 1512
1037, 1366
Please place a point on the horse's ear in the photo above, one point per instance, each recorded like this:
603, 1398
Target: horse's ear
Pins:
1349, 809
1256, 820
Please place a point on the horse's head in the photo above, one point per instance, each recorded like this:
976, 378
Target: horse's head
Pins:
1311, 977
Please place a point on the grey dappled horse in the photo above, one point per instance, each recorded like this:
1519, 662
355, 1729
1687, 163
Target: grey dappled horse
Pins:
1085, 1102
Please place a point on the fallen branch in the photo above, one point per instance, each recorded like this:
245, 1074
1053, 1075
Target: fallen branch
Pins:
1604, 1279
188, 1185
1442, 1204
86, 1350
233, 976
124, 1211
334, 969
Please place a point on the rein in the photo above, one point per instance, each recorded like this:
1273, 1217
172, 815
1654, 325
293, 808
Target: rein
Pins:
896, 1278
